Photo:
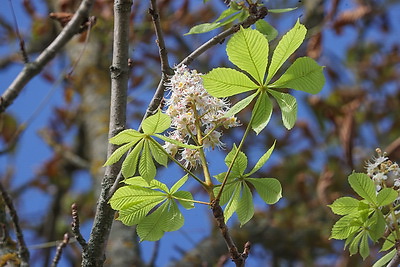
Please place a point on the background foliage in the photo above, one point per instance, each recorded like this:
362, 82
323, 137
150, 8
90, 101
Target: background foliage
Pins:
58, 158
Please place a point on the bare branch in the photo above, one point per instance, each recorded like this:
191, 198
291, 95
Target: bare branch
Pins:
75, 225
94, 255
21, 41
30, 70
22, 249
59, 250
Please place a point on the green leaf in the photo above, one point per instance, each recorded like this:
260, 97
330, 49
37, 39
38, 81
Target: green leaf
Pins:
364, 248
118, 153
389, 242
126, 136
386, 196
233, 202
287, 45
281, 10
158, 153
376, 225
240, 164
147, 169
345, 205
265, 28
344, 227
175, 219
139, 181
248, 50
179, 184
264, 158
156, 123
205, 27
184, 195
134, 213
245, 208
261, 113
226, 193
226, 13
363, 186
304, 74
288, 106
224, 82
239, 106
130, 163
152, 227
385, 259
126, 196
175, 142
353, 248
269, 189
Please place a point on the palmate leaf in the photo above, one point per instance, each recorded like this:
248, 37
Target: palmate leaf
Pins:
376, 225
386, 196
345, 205
248, 50
147, 169
286, 46
130, 163
179, 184
363, 186
118, 153
134, 212
139, 181
126, 136
304, 74
158, 153
126, 196
245, 208
344, 227
226, 193
354, 244
224, 82
264, 158
261, 113
288, 106
156, 123
269, 189
364, 247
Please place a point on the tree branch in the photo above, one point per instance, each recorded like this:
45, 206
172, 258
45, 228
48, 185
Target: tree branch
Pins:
75, 227
30, 70
94, 255
22, 249
59, 250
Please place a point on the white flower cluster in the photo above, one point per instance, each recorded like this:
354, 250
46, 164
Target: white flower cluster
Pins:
188, 104
383, 171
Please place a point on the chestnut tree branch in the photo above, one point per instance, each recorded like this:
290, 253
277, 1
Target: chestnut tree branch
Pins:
33, 68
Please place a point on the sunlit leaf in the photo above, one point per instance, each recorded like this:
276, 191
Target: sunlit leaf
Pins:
281, 10
248, 50
363, 185
135, 212
386, 196
130, 163
175, 142
118, 153
128, 195
376, 225
184, 195
286, 46
385, 259
156, 123
126, 136
239, 106
344, 206
152, 227
240, 164
304, 74
224, 82
233, 202
389, 242
364, 247
343, 228
147, 169
158, 154
179, 184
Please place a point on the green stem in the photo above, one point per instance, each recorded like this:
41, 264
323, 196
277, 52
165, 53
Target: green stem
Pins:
234, 159
192, 200
179, 164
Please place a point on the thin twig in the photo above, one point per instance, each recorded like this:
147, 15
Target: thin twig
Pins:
75, 227
22, 249
21, 40
30, 70
154, 255
59, 250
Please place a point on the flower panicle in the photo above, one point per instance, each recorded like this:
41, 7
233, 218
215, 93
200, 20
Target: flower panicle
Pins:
188, 104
